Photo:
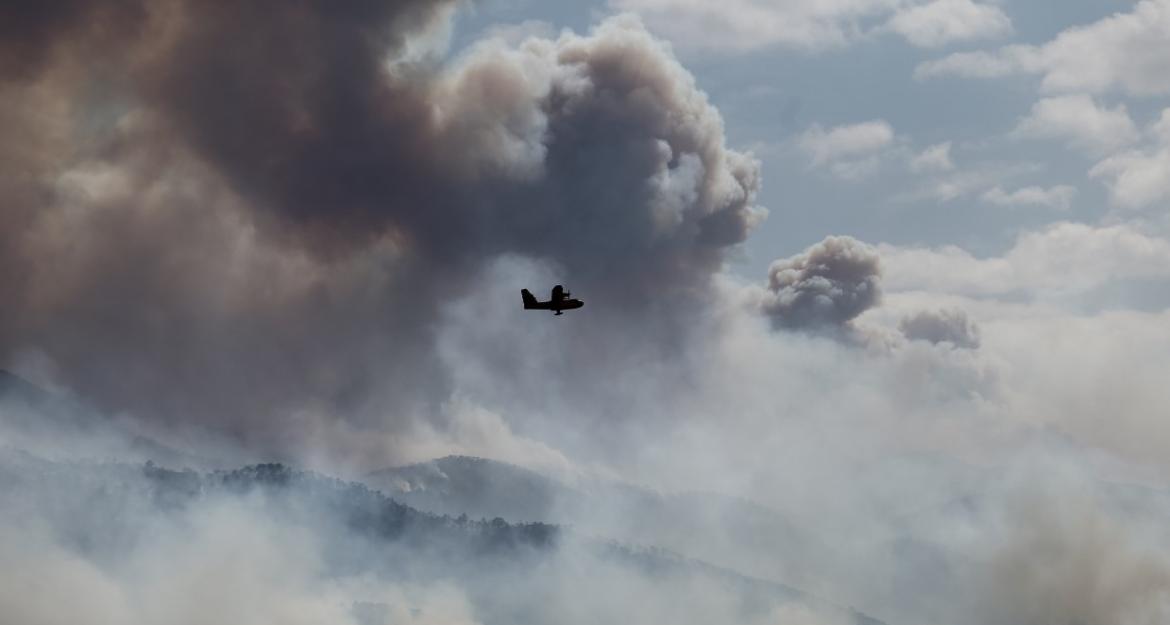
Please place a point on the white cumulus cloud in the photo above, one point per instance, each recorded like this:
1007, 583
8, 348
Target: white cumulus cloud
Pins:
850, 151
1140, 177
815, 25
1058, 197
944, 21
934, 158
1128, 52
1063, 258
1081, 122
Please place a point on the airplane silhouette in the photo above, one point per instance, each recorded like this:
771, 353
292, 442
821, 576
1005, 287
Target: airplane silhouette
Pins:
560, 301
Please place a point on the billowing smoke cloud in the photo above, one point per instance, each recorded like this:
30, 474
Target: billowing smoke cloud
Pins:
254, 223
287, 222
1074, 557
827, 285
950, 325
1042, 546
34, 34
596, 152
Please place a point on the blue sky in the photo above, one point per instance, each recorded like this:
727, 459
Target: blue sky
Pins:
773, 91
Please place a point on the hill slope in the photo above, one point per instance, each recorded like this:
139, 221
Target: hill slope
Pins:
728, 531
346, 539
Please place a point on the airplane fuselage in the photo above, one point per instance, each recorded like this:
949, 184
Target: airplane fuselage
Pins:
558, 303
568, 304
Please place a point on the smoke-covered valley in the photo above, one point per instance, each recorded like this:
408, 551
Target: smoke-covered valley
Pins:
110, 541
260, 266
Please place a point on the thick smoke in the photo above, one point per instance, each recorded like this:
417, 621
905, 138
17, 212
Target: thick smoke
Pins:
299, 225
128, 544
946, 325
36, 34
827, 285
254, 224
598, 153
1068, 557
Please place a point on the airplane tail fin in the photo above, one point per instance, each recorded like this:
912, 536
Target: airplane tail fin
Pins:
529, 298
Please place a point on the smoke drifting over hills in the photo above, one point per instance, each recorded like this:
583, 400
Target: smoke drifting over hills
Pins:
296, 231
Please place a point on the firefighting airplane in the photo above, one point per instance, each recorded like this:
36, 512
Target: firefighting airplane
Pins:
559, 302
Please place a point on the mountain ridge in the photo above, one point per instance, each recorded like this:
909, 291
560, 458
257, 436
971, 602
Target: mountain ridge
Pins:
728, 531
360, 527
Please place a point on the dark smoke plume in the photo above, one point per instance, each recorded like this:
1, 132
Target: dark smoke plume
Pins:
827, 285
247, 216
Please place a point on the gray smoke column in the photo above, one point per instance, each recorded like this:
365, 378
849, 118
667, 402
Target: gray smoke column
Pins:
827, 285
247, 217
949, 325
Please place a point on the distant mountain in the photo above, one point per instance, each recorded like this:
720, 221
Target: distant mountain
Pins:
33, 418
728, 531
510, 573
476, 487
